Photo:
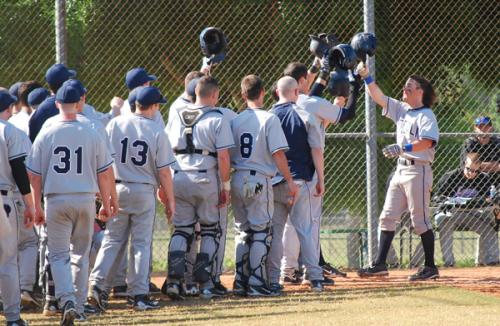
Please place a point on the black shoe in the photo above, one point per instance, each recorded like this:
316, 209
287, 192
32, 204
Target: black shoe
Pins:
329, 270
68, 314
98, 298
191, 290
425, 273
261, 291
81, 318
276, 287
143, 303
29, 299
90, 309
328, 281
373, 270
239, 288
174, 291
221, 288
211, 293
153, 289
164, 287
294, 278
317, 285
119, 291
19, 322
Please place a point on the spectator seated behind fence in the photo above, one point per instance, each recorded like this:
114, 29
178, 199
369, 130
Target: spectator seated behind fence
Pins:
486, 146
464, 205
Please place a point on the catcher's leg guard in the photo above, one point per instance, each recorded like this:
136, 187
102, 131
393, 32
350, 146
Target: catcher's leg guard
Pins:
259, 249
243, 240
179, 245
205, 267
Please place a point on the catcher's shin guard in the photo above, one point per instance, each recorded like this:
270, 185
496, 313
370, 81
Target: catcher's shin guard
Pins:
259, 249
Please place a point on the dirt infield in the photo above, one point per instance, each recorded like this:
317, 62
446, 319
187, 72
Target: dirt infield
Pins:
481, 279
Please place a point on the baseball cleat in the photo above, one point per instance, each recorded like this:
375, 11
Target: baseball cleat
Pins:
191, 290
68, 314
119, 291
317, 285
98, 298
50, 308
239, 288
261, 291
221, 288
19, 322
329, 270
294, 278
211, 293
173, 291
81, 318
29, 299
373, 271
143, 303
153, 289
90, 309
276, 287
425, 273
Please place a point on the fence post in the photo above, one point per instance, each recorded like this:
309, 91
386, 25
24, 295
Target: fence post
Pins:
60, 20
371, 143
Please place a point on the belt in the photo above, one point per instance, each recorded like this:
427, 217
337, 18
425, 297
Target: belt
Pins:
403, 161
4, 192
197, 171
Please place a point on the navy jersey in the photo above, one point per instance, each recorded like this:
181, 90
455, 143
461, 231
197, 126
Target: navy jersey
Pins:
46, 110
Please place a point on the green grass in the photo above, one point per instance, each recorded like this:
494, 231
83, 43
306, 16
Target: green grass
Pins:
400, 305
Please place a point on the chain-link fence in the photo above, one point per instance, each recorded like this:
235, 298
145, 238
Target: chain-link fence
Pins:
452, 44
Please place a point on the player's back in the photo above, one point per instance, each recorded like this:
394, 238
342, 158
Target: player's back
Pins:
13, 144
68, 155
257, 135
136, 140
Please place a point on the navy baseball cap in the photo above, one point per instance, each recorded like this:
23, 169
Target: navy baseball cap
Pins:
58, 74
14, 89
484, 120
191, 87
150, 95
132, 96
68, 94
37, 96
76, 84
137, 77
6, 100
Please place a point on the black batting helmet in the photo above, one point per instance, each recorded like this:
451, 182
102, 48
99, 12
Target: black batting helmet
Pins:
364, 44
212, 41
342, 56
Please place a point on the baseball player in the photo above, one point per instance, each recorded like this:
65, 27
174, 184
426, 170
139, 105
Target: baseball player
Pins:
305, 157
142, 163
14, 147
27, 237
200, 138
73, 151
417, 134
259, 153
14, 91
326, 113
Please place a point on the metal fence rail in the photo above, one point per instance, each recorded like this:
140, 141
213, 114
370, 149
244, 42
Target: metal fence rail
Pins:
451, 43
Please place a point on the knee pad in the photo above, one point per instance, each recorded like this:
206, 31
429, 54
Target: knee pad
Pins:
202, 270
265, 237
176, 264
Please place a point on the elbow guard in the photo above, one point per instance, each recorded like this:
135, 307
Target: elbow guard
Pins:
20, 175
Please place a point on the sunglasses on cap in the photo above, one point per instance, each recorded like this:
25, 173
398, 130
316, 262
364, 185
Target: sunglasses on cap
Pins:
482, 121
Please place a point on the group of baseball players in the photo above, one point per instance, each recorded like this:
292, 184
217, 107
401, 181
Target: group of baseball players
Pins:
267, 164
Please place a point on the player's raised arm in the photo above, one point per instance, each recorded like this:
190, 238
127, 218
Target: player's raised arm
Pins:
375, 92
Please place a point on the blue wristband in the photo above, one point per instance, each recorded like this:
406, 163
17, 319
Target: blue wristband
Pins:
369, 80
408, 148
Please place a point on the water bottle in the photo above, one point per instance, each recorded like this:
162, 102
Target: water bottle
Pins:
493, 191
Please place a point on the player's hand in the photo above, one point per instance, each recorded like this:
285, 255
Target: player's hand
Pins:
362, 70
340, 101
293, 191
29, 217
162, 197
319, 189
170, 209
105, 213
39, 215
392, 151
116, 103
224, 198
114, 206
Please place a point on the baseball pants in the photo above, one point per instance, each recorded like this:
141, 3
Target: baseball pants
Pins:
135, 219
9, 272
70, 220
306, 224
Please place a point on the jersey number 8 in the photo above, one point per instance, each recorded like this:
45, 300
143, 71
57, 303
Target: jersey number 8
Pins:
246, 143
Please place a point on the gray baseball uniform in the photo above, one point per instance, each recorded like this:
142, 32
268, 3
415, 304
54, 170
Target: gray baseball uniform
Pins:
325, 113
410, 187
12, 145
257, 135
74, 151
197, 185
142, 149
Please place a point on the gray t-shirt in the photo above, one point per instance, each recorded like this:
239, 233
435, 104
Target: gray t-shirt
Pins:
412, 125
142, 149
14, 143
211, 133
68, 155
257, 135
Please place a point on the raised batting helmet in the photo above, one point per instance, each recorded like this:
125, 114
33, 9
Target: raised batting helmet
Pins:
338, 85
212, 41
364, 44
342, 56
322, 43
